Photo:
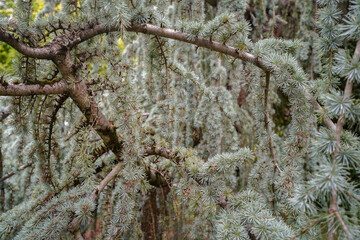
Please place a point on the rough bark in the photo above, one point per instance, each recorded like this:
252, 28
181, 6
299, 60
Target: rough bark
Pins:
33, 89
151, 213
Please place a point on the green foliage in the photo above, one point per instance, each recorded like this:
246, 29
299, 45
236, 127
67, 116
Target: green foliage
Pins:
201, 153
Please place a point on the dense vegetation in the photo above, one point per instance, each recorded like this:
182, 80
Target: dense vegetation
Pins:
179, 119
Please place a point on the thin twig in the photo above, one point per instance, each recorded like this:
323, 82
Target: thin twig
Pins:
304, 230
10, 174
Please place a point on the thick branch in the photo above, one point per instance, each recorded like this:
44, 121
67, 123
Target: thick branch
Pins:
39, 53
106, 130
183, 37
33, 89
92, 31
78, 92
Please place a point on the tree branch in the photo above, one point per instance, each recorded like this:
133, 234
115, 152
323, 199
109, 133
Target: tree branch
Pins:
95, 194
94, 30
333, 208
163, 152
327, 121
304, 230
78, 92
183, 37
33, 89
74, 224
39, 53
10, 174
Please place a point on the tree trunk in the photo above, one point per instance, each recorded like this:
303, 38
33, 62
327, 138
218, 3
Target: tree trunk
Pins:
151, 212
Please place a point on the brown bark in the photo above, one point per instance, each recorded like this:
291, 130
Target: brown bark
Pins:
78, 92
243, 93
40, 53
151, 213
33, 89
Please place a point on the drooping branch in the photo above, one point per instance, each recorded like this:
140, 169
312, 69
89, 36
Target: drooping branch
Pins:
33, 89
327, 121
40, 53
171, 34
60, 100
212, 45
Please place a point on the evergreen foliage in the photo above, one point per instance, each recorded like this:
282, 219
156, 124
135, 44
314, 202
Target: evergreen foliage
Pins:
192, 119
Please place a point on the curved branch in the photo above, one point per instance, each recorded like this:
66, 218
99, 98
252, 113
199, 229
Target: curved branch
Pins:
212, 45
78, 92
162, 152
39, 53
33, 89
94, 30
183, 37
